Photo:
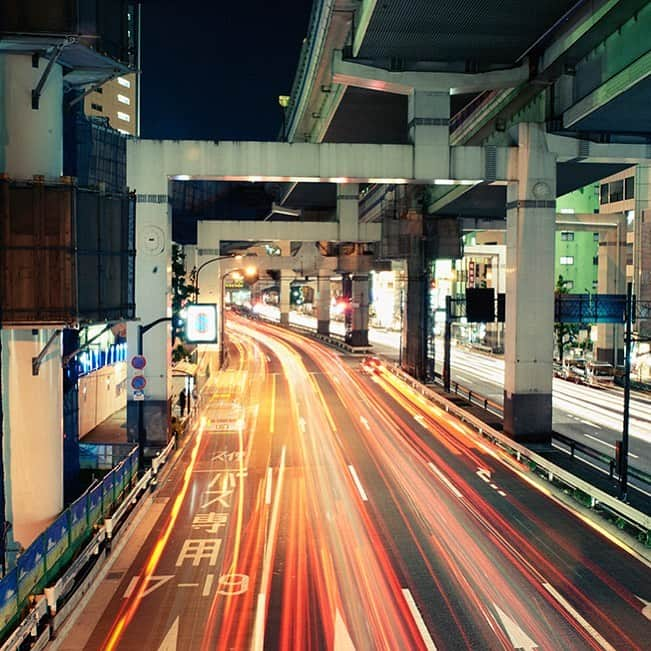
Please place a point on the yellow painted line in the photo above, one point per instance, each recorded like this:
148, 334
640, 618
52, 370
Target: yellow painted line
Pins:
272, 416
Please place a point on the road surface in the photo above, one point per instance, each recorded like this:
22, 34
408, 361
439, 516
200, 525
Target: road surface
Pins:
319, 507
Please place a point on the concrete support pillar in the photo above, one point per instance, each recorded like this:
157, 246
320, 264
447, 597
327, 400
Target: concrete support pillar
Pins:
32, 407
642, 244
32, 139
360, 299
286, 278
323, 304
611, 280
429, 128
348, 211
413, 337
153, 301
284, 288
530, 229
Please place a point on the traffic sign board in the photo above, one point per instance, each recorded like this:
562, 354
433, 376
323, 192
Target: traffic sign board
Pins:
138, 382
138, 395
139, 362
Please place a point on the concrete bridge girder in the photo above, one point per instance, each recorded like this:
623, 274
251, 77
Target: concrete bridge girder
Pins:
352, 73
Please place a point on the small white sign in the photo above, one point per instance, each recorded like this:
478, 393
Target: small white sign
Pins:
138, 395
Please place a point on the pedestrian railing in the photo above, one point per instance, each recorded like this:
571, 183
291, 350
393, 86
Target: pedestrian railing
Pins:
57, 569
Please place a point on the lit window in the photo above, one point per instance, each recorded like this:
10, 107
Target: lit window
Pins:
569, 284
124, 116
124, 99
124, 82
567, 259
567, 236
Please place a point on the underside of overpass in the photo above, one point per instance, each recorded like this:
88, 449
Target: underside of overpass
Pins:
537, 101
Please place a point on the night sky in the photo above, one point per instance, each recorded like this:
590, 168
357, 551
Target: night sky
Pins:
213, 69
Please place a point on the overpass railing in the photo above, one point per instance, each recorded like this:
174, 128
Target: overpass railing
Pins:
57, 569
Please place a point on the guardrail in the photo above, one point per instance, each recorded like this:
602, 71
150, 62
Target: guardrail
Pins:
27, 594
587, 494
609, 462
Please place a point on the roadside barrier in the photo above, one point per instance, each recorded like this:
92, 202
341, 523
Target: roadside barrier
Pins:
57, 569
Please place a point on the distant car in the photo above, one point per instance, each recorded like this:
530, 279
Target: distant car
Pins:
600, 374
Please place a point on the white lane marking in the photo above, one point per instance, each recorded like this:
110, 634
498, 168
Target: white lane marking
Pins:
519, 639
610, 445
587, 627
207, 586
419, 418
365, 423
587, 422
445, 480
484, 475
131, 587
258, 631
171, 638
646, 610
418, 618
358, 483
265, 578
302, 423
267, 492
502, 493
342, 641
187, 585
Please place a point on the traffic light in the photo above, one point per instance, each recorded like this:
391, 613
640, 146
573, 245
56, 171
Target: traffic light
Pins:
296, 295
178, 327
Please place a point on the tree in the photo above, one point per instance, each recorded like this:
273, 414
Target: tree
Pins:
181, 292
565, 334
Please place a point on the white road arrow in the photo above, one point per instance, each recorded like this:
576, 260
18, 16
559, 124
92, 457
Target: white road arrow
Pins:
484, 474
342, 641
646, 610
170, 640
519, 639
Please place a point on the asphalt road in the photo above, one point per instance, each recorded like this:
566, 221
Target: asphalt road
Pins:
339, 510
589, 415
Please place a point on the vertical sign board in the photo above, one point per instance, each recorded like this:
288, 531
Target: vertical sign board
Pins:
8, 599
201, 323
95, 505
56, 540
31, 569
78, 520
471, 273
480, 305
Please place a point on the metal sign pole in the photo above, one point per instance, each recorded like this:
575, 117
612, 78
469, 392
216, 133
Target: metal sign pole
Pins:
628, 338
447, 343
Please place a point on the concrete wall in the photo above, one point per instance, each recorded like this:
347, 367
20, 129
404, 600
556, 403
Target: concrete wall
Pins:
101, 394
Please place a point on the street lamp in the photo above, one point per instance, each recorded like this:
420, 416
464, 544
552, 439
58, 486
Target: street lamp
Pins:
249, 271
194, 274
